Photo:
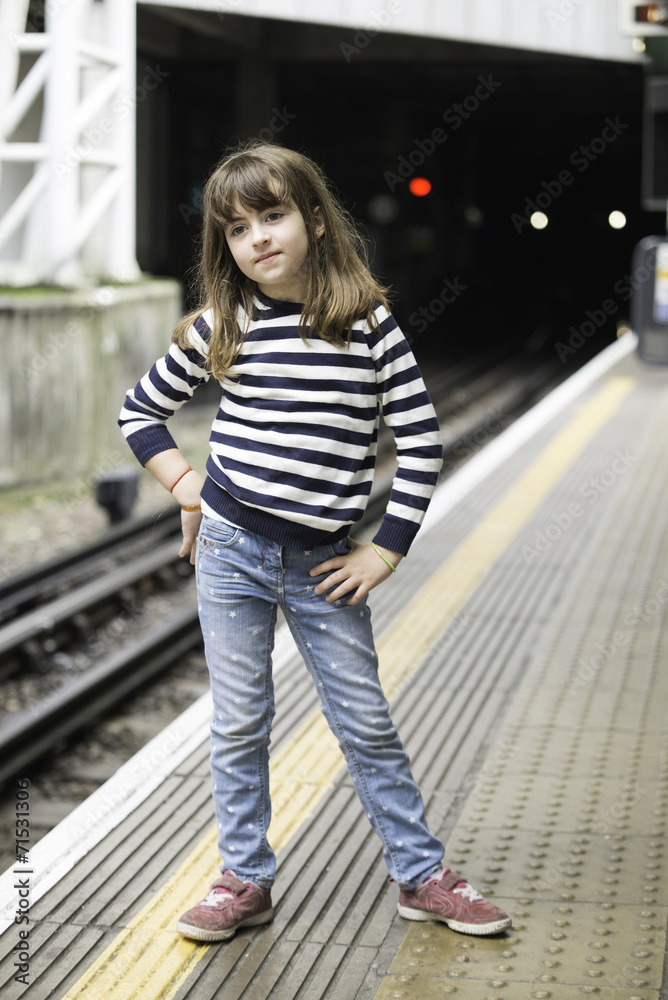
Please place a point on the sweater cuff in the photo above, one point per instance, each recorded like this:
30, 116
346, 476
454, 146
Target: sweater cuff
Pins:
149, 442
395, 534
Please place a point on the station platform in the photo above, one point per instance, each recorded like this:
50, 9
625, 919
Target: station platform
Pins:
522, 646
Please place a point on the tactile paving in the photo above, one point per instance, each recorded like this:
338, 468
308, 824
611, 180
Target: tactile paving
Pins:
564, 824
552, 946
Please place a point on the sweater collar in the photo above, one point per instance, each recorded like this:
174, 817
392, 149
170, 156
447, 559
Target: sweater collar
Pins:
269, 308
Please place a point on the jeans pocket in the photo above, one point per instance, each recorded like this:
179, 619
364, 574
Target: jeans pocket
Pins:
339, 548
218, 534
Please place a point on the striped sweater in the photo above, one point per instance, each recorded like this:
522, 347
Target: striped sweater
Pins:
293, 445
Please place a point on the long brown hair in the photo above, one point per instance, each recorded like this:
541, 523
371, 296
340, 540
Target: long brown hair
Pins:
339, 286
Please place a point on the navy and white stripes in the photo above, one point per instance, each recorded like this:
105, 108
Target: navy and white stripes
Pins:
293, 444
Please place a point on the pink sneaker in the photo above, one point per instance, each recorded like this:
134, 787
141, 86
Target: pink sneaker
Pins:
448, 897
230, 904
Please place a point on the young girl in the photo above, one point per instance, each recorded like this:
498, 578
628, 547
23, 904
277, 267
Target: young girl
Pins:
299, 335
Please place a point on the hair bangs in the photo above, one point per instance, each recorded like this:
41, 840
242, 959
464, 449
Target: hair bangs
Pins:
253, 185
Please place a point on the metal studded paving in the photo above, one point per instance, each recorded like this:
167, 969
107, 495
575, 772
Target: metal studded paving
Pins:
566, 820
538, 731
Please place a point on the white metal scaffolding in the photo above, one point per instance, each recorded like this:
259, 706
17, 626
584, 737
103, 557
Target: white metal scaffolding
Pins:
67, 142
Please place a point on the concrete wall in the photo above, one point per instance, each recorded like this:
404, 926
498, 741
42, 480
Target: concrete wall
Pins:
572, 27
68, 359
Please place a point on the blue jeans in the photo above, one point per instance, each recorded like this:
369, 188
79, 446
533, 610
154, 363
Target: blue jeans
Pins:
242, 578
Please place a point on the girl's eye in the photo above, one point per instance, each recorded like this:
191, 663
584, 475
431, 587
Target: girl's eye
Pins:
273, 216
236, 230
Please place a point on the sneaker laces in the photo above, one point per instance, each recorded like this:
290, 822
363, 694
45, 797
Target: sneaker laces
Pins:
462, 888
216, 896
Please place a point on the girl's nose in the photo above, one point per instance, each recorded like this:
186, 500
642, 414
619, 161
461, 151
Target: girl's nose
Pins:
259, 235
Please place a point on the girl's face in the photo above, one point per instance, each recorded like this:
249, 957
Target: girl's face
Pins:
270, 248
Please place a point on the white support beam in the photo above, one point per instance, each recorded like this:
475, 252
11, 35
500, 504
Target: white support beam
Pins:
12, 22
13, 17
94, 102
32, 41
101, 157
64, 24
121, 258
96, 206
99, 53
25, 95
16, 214
74, 214
23, 152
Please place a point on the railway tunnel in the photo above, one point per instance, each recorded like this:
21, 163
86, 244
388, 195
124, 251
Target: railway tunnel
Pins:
496, 134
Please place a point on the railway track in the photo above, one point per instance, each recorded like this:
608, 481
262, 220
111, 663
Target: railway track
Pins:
66, 600
24, 591
471, 413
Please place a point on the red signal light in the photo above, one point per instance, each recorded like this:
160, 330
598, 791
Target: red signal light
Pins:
419, 186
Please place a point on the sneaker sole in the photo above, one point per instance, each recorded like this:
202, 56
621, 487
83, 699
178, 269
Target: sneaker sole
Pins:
201, 934
456, 925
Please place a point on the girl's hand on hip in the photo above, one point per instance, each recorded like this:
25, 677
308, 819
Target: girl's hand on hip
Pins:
190, 521
360, 570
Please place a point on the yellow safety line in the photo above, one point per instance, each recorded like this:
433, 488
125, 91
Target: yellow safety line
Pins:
148, 958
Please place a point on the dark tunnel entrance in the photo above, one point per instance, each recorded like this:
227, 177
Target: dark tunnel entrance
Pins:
497, 133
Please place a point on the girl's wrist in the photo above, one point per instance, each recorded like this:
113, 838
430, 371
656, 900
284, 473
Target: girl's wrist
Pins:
390, 558
187, 492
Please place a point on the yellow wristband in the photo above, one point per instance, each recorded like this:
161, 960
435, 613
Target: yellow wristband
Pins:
192, 509
376, 549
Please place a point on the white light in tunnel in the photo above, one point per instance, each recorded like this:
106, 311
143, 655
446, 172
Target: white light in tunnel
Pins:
617, 220
538, 220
